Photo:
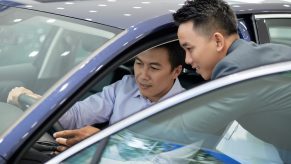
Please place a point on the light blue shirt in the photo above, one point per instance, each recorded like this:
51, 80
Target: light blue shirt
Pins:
115, 102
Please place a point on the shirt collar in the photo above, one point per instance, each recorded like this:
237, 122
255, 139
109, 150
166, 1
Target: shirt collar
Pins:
176, 88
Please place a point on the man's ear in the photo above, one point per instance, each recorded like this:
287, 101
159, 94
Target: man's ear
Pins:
177, 71
219, 40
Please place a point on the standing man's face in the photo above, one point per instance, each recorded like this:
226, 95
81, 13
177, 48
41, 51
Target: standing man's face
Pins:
201, 50
153, 73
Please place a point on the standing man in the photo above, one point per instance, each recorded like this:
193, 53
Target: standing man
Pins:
208, 33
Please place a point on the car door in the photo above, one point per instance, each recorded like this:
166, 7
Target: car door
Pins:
248, 124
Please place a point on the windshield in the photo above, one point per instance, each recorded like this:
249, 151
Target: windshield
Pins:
37, 49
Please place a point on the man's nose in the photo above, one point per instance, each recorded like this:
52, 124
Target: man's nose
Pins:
188, 59
144, 73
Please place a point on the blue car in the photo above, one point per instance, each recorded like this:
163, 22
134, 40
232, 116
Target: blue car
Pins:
68, 50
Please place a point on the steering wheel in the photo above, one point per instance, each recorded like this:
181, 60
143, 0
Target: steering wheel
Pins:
25, 101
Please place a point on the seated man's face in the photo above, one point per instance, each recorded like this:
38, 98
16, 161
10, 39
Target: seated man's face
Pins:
153, 73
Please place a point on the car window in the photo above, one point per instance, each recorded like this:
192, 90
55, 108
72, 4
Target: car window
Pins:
21, 42
248, 124
279, 30
24, 35
37, 49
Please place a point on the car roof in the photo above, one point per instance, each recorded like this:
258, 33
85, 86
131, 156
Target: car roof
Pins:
124, 13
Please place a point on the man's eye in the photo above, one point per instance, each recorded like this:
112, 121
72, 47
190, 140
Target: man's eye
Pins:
154, 68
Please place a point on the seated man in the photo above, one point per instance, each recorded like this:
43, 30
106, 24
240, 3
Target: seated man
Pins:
155, 78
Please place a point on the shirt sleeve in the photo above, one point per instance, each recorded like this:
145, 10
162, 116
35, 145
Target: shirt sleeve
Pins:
96, 108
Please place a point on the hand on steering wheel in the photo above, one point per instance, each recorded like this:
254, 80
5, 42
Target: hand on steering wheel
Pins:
15, 93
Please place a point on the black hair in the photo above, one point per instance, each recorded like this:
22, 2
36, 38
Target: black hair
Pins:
176, 54
208, 16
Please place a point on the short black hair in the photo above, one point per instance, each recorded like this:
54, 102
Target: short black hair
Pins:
175, 52
208, 16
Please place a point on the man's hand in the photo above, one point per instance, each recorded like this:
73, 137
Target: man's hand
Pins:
68, 138
16, 92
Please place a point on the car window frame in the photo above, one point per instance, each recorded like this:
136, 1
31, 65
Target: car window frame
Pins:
164, 35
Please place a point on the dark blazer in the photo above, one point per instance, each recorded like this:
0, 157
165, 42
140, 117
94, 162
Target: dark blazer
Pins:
243, 55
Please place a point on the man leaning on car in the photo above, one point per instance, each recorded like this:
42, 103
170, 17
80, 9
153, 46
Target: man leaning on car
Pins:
208, 33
